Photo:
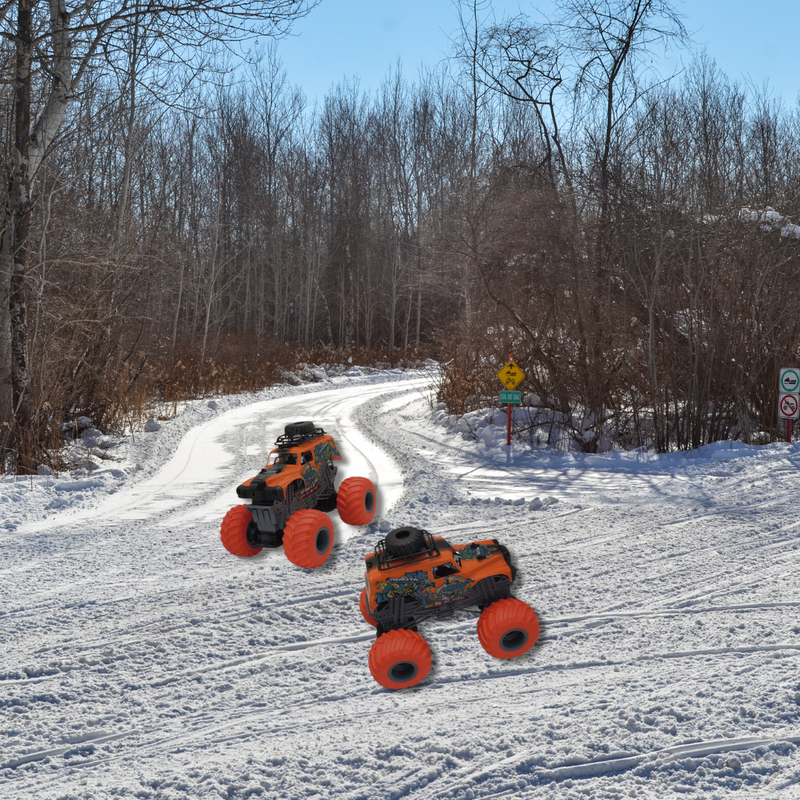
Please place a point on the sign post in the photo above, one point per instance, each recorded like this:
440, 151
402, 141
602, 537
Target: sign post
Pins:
789, 397
510, 376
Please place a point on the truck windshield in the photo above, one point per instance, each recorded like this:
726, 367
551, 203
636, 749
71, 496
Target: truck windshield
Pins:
283, 458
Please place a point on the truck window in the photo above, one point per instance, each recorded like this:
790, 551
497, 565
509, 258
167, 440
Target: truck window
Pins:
443, 570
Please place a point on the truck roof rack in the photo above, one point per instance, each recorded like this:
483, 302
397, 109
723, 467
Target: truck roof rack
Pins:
385, 561
285, 440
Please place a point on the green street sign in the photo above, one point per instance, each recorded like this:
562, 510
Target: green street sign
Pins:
790, 380
510, 397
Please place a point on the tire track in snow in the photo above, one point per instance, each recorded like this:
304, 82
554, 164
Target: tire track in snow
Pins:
309, 692
133, 635
191, 463
599, 767
681, 578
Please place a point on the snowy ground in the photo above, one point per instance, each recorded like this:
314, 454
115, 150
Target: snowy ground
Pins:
140, 659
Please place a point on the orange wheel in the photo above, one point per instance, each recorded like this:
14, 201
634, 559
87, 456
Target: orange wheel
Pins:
308, 538
399, 659
233, 532
508, 628
356, 501
362, 604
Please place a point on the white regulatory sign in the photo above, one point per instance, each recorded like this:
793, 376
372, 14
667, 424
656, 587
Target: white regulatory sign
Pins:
789, 406
790, 380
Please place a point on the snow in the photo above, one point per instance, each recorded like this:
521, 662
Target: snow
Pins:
769, 219
140, 659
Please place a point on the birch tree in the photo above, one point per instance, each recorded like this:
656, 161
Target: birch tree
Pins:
54, 45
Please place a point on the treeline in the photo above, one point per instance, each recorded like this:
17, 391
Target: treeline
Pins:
234, 228
523, 199
260, 216
662, 319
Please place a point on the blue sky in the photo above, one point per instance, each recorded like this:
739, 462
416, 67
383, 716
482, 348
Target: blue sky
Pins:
363, 38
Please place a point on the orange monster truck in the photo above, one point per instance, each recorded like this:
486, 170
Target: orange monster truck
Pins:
289, 496
413, 576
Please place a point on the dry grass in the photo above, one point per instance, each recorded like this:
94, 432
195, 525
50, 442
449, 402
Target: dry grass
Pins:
119, 394
241, 364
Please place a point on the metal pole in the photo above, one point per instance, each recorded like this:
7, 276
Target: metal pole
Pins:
788, 421
508, 418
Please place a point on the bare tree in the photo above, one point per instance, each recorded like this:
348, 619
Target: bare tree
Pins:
54, 47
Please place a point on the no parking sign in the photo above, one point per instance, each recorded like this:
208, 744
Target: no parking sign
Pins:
789, 406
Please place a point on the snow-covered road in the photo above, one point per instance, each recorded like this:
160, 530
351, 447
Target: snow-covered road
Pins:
140, 659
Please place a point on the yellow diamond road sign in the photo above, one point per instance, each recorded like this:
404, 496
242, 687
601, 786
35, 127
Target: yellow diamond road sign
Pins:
511, 375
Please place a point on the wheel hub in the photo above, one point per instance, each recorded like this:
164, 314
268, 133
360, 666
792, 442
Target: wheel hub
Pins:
513, 640
323, 540
403, 671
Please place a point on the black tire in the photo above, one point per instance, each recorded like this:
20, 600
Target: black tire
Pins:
404, 542
299, 429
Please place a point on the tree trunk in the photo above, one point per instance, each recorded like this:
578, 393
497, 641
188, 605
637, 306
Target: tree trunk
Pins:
15, 244
6, 406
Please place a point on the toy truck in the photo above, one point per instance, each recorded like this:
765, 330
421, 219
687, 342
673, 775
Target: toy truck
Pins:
413, 576
289, 498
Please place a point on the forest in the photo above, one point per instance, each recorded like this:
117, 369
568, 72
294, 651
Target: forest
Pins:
178, 221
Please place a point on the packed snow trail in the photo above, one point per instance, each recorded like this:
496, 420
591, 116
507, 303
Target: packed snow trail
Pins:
140, 659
